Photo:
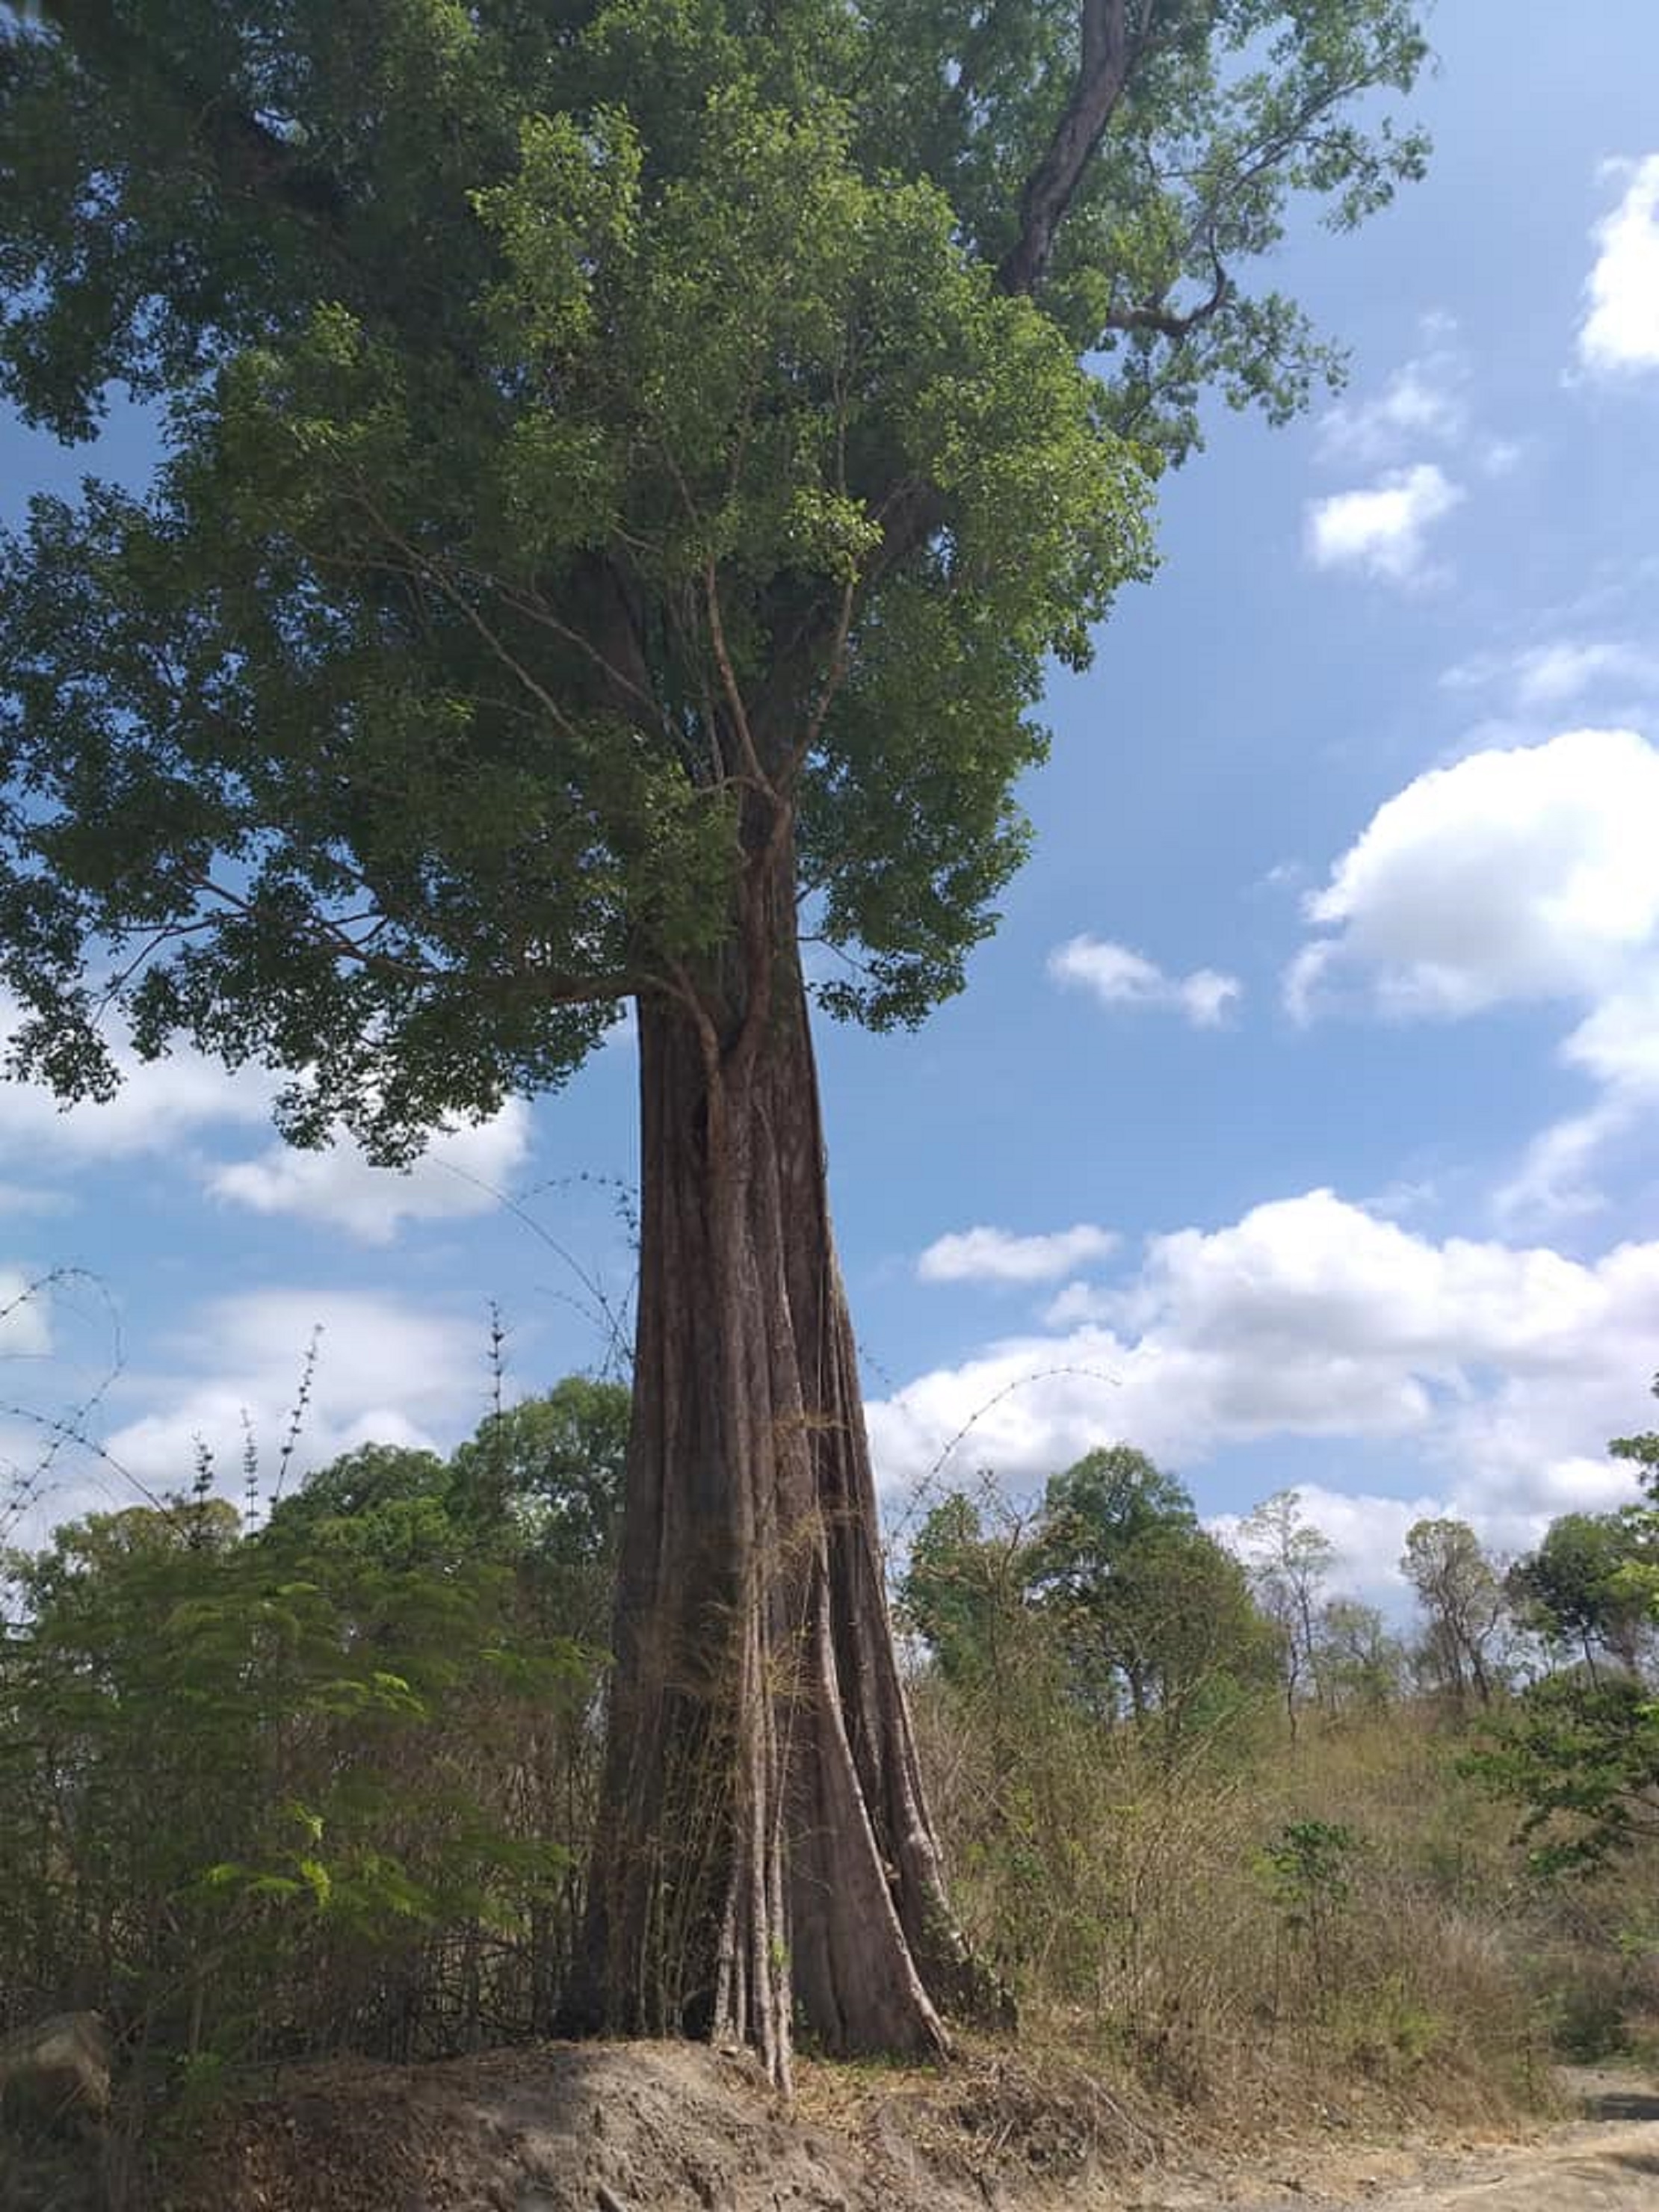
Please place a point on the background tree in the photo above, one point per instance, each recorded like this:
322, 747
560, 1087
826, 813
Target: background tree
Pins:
1583, 1588
1461, 1594
627, 470
1360, 1664
546, 1476
1153, 1614
1581, 1752
964, 1588
1289, 1562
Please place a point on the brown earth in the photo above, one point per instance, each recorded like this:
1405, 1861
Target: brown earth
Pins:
678, 2128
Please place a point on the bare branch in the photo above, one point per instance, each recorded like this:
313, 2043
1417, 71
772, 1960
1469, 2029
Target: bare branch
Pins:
1164, 322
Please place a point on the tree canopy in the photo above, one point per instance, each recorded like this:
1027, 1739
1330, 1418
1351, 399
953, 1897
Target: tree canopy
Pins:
1148, 1615
573, 414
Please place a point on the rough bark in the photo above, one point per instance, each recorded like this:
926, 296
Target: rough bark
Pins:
765, 1854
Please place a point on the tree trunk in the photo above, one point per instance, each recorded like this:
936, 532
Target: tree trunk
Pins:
763, 1855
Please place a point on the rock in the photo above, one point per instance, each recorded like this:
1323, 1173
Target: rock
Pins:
54, 2075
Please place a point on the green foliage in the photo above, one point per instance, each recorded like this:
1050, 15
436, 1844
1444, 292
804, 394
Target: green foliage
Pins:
1307, 1870
252, 1781
964, 1589
1465, 1611
1642, 1451
571, 413
1582, 1757
1359, 1662
1152, 1611
1114, 1582
1580, 1752
1586, 1586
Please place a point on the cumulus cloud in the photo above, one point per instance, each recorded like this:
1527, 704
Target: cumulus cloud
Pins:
386, 1373
1620, 334
1519, 874
1382, 530
460, 1173
182, 1107
997, 1255
1120, 978
1500, 1368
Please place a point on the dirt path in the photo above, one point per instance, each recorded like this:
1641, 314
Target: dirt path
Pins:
1608, 2161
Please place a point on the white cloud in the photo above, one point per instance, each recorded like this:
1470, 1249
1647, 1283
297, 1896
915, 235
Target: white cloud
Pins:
175, 1109
1551, 674
461, 1173
1554, 1182
1425, 398
1120, 978
1519, 874
1500, 1369
1383, 528
1620, 334
997, 1255
1524, 873
1545, 678
386, 1373
162, 1105
1617, 1045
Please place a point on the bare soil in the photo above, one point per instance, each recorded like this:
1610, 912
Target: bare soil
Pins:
678, 2128
1605, 2160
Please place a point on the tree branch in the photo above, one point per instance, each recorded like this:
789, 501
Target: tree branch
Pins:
1111, 45
1164, 322
330, 936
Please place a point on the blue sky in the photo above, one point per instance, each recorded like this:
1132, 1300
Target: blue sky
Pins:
1297, 1125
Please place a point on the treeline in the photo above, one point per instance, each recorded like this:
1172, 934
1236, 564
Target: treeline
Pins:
320, 1776
1161, 1623
1214, 1812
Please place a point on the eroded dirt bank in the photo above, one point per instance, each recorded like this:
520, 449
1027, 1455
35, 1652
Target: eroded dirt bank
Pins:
595, 2128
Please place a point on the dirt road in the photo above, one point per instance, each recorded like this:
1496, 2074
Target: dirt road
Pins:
1607, 2162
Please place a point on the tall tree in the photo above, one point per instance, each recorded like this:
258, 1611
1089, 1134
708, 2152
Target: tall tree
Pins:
629, 463
1289, 1563
1460, 1593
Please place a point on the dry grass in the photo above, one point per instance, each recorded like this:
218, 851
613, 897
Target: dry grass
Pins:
1337, 1923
